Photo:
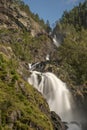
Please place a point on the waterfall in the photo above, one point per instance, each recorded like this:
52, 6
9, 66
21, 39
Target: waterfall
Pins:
74, 126
58, 97
55, 91
33, 66
47, 57
55, 41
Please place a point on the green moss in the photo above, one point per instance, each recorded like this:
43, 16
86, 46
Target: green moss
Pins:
19, 102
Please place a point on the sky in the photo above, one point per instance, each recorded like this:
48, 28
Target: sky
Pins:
51, 10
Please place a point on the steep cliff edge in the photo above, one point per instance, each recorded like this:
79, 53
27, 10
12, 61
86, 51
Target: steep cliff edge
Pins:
13, 17
18, 28
22, 40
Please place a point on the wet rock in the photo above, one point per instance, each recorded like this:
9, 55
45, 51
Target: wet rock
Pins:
57, 123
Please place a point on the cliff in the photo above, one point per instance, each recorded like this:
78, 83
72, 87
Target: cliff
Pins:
22, 40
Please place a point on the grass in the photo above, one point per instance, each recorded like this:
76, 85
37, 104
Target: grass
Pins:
19, 102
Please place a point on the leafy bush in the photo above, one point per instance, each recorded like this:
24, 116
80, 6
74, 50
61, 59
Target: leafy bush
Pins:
73, 56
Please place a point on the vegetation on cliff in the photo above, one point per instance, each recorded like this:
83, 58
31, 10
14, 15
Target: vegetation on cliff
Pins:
21, 106
76, 17
72, 53
24, 39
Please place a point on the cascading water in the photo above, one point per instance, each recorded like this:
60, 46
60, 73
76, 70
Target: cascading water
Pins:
74, 126
57, 95
55, 41
55, 91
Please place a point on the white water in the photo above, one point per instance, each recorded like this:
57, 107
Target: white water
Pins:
56, 93
33, 66
47, 57
55, 41
74, 126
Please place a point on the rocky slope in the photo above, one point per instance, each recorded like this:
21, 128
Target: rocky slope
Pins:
22, 40
18, 27
12, 17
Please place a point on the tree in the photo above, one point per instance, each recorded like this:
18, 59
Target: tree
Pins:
48, 28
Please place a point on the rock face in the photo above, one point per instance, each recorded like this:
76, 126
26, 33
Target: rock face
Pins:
21, 106
19, 27
57, 123
12, 17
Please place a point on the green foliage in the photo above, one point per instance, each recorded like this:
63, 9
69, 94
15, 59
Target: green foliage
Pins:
77, 16
19, 102
48, 28
73, 55
25, 48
